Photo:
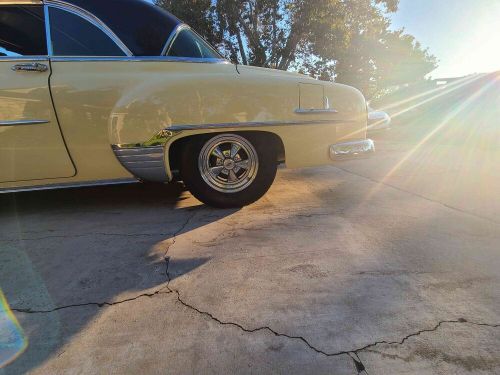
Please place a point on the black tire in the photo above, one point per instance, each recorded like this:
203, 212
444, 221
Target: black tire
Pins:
264, 175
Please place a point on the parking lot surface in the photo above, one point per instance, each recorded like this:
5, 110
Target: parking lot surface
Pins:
384, 266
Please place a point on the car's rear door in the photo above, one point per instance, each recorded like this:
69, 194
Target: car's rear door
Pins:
31, 144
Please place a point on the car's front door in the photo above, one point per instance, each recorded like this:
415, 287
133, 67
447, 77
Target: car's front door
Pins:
31, 144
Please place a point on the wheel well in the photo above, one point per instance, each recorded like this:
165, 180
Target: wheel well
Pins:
176, 147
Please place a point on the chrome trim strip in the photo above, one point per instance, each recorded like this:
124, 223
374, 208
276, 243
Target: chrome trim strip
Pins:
254, 124
141, 59
48, 34
145, 163
301, 111
23, 122
171, 38
69, 185
24, 58
90, 18
352, 150
175, 33
212, 47
21, 2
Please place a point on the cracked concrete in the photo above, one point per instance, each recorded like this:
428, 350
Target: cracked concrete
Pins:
346, 270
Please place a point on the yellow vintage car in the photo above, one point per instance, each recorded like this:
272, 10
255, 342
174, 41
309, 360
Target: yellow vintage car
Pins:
110, 92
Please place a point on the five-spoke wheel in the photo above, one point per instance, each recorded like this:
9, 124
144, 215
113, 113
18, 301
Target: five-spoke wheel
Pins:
228, 170
228, 163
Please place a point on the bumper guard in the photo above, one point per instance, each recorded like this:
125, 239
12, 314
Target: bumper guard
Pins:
352, 150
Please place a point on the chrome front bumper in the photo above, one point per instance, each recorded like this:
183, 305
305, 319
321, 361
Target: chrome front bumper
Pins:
352, 150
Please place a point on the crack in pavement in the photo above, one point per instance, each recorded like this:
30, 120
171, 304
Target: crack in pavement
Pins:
357, 361
420, 196
353, 353
87, 235
174, 239
98, 304
106, 303
418, 333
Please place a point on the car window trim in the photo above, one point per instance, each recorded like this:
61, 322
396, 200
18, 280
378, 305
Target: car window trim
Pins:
175, 33
141, 59
22, 2
172, 37
122, 58
89, 17
104, 28
48, 33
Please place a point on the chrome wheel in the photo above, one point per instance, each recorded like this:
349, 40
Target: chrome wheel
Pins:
228, 163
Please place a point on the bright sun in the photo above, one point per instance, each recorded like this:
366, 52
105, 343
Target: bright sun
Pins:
481, 47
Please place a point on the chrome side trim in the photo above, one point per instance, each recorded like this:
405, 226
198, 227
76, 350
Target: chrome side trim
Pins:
145, 163
301, 111
23, 58
90, 18
352, 150
141, 59
23, 122
70, 185
21, 2
171, 38
255, 124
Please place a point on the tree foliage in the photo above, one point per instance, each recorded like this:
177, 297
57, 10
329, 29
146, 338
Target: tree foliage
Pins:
346, 40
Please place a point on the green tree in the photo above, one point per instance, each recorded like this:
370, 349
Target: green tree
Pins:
345, 40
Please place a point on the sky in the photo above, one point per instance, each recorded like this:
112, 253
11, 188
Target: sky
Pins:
463, 34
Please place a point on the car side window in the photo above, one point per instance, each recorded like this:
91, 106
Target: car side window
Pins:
73, 35
22, 31
189, 44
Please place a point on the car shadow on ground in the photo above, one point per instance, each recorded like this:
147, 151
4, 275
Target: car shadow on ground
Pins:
66, 254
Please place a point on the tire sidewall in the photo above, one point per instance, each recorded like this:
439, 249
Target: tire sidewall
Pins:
266, 173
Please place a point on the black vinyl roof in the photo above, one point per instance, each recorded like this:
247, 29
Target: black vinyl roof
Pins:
143, 27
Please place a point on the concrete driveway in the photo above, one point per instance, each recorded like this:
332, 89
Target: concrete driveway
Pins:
389, 266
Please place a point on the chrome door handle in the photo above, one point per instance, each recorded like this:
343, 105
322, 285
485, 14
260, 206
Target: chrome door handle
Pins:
30, 67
